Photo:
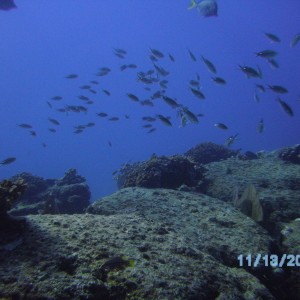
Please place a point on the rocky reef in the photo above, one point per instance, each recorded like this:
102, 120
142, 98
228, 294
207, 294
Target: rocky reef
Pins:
208, 152
161, 172
188, 240
67, 195
10, 191
290, 154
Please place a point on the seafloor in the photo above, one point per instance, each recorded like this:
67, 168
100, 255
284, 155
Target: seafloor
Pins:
158, 243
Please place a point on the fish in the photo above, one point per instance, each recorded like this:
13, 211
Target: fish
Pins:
77, 131
197, 93
148, 119
32, 132
85, 98
71, 76
133, 97
151, 130
260, 126
52, 130
106, 92
207, 8
102, 114
185, 113
91, 124
171, 102
57, 98
286, 107
295, 40
147, 126
8, 161
161, 70
132, 66
85, 87
221, 126
219, 80
157, 53
195, 83
211, 67
272, 37
278, 89
165, 120
25, 125
120, 51
256, 98
53, 121
147, 102
94, 82
49, 104
261, 88
119, 55
192, 55
7, 4
92, 91
109, 143
231, 140
123, 67
266, 54
274, 64
171, 58
251, 72
114, 119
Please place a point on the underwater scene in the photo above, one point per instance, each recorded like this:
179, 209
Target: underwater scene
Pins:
150, 149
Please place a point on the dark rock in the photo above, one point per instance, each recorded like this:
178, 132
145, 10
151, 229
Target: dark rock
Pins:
161, 172
208, 152
291, 154
49, 196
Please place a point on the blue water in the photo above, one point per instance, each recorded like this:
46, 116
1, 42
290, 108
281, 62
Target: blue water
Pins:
43, 41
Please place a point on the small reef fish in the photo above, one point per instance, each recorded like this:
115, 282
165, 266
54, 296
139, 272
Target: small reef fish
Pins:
285, 107
221, 126
26, 126
231, 140
295, 40
207, 8
251, 72
192, 56
71, 76
157, 53
56, 98
165, 120
133, 97
278, 89
272, 37
260, 126
266, 54
219, 80
8, 161
211, 67
197, 93
53, 121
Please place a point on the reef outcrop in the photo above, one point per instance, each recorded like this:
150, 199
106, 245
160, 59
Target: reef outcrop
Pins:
67, 195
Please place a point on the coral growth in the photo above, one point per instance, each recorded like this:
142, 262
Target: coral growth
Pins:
291, 154
160, 172
208, 152
10, 191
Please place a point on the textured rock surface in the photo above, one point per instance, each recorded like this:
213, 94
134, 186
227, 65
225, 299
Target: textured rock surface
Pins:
277, 184
184, 246
67, 195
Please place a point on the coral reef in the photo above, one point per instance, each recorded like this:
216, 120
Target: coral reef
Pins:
208, 152
161, 172
67, 195
10, 191
290, 154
